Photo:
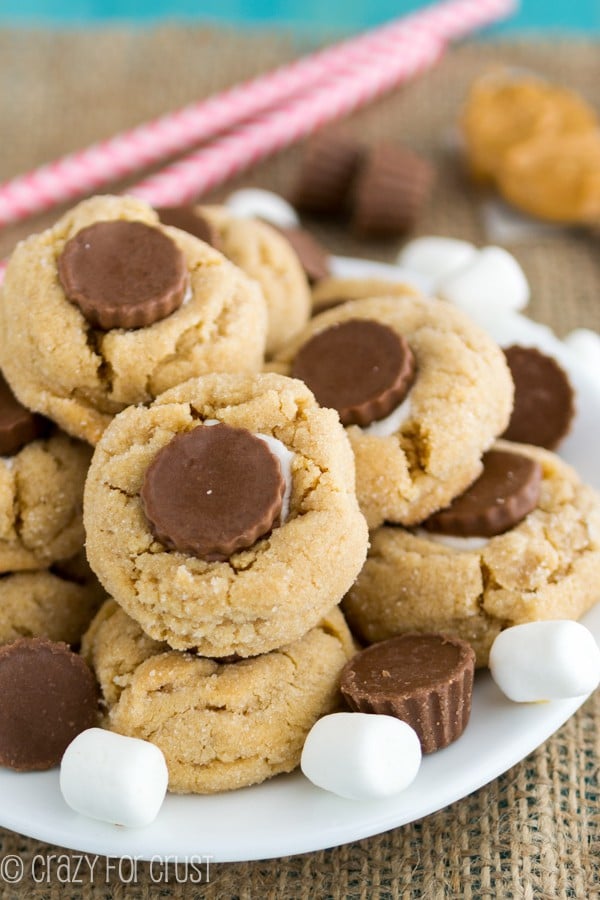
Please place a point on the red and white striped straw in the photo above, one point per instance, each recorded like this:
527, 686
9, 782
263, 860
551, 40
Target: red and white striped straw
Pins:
227, 156
84, 172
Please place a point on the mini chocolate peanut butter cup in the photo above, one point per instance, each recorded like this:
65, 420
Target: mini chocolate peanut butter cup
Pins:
213, 491
507, 490
186, 218
49, 695
329, 166
123, 274
391, 191
360, 367
18, 426
424, 679
544, 400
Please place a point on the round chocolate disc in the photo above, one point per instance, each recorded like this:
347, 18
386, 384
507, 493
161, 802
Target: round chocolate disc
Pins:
544, 401
49, 695
423, 679
507, 490
360, 367
213, 491
123, 274
18, 426
187, 219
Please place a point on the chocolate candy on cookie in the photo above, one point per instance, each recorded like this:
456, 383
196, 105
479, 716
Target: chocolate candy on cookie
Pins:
49, 695
422, 390
213, 491
109, 308
544, 399
18, 425
190, 219
123, 274
424, 679
359, 367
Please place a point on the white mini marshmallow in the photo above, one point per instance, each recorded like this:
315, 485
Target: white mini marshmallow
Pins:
586, 346
113, 778
453, 541
284, 457
392, 422
545, 661
254, 203
491, 284
361, 756
436, 257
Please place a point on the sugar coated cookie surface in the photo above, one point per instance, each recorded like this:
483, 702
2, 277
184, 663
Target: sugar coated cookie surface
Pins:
41, 500
260, 597
265, 255
220, 725
81, 371
545, 567
459, 402
58, 604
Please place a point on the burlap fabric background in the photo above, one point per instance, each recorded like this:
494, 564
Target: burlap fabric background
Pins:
533, 833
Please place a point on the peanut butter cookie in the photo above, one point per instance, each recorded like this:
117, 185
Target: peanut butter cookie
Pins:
220, 725
192, 531
547, 566
109, 308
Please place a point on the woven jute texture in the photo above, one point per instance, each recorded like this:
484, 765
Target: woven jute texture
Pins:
533, 832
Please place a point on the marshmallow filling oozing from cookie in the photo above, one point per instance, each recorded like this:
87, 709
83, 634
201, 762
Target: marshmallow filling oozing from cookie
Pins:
361, 368
123, 274
214, 491
18, 426
507, 490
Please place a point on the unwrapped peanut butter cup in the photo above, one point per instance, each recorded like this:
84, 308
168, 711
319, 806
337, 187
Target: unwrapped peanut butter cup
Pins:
391, 191
49, 695
424, 679
544, 403
360, 367
18, 426
187, 218
330, 163
313, 257
123, 274
507, 490
213, 491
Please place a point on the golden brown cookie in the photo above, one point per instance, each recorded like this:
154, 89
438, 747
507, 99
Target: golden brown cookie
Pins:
504, 109
459, 402
261, 597
557, 178
81, 375
41, 502
266, 256
57, 603
330, 292
545, 567
220, 725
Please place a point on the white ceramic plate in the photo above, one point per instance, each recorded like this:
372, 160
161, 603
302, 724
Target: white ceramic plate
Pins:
289, 815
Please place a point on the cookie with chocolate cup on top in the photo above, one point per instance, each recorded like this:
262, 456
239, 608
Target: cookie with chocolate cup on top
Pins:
221, 724
521, 544
422, 392
223, 517
263, 253
109, 308
42, 473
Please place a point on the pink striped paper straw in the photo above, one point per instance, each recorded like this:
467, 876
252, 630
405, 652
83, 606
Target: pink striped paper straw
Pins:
206, 168
88, 170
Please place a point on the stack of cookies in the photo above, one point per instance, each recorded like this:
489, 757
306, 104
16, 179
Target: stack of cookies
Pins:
228, 503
